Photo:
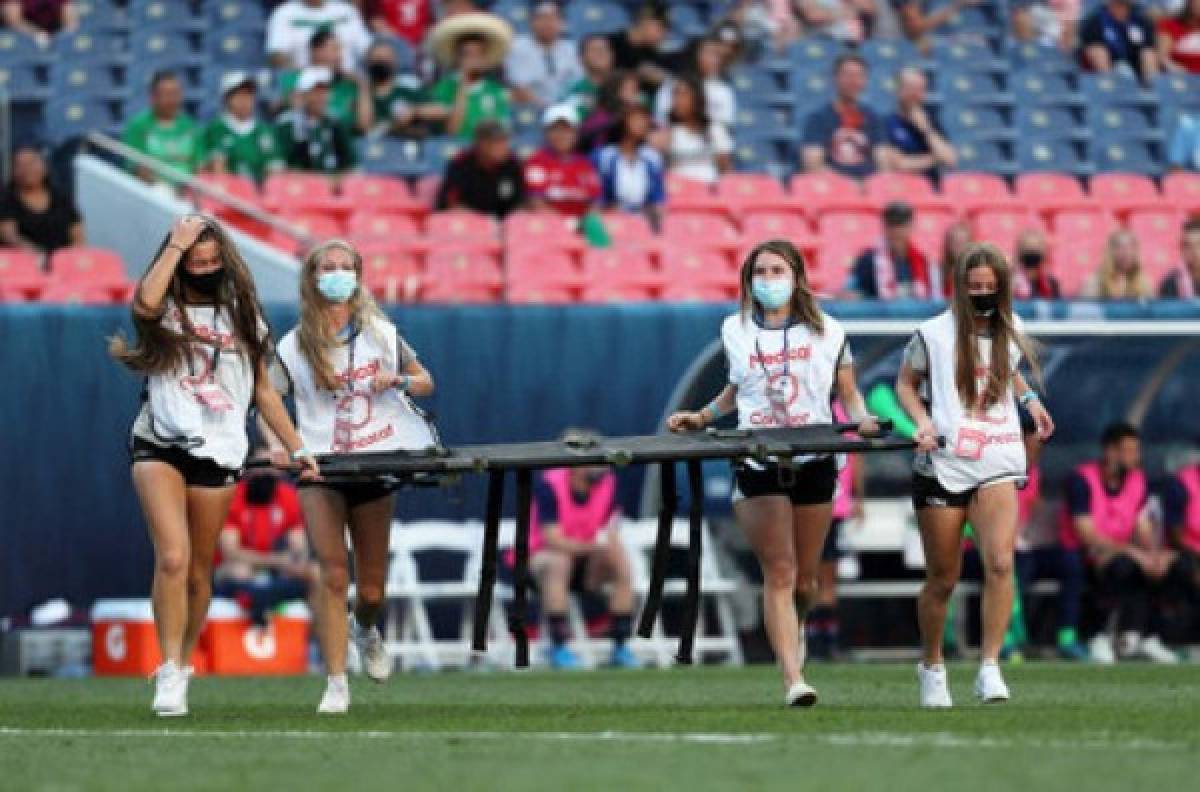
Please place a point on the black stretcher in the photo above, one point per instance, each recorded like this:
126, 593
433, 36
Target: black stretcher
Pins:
428, 466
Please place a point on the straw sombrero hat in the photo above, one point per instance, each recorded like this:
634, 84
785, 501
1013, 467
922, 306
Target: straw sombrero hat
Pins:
495, 32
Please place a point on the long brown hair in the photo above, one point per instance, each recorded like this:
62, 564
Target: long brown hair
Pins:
316, 338
1003, 330
159, 350
804, 303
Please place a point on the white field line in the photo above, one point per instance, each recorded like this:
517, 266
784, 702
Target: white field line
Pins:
1099, 742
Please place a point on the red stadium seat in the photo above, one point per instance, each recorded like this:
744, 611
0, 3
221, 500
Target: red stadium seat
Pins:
760, 226
300, 192
21, 275
1050, 192
972, 192
619, 267
746, 192
543, 269
542, 229
1073, 265
1124, 192
236, 186
627, 227
1002, 227
317, 227
1077, 223
833, 263
614, 293
1181, 190
82, 292
698, 292
1158, 261
462, 227
818, 193
695, 229
884, 187
102, 269
540, 294
458, 294
390, 271
1157, 228
700, 269
380, 194
684, 195
426, 189
929, 231
368, 225
863, 229
473, 272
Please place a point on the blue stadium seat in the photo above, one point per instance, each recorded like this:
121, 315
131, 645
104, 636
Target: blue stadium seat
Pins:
24, 81
987, 156
515, 12
889, 55
19, 48
1031, 87
966, 55
440, 150
85, 47
395, 157
405, 57
757, 86
812, 89
967, 122
237, 49
1127, 122
974, 88
813, 54
755, 154
1050, 122
1127, 154
1035, 57
97, 80
147, 16
1040, 154
67, 118
685, 20
165, 49
238, 14
586, 17
1115, 89
101, 16
776, 121
1178, 89
525, 117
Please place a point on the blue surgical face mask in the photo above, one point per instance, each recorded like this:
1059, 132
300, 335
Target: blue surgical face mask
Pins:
772, 293
337, 286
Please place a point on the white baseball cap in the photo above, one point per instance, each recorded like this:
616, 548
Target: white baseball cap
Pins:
234, 80
312, 76
560, 112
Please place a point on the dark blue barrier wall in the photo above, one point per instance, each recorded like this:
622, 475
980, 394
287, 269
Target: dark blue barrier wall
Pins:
69, 523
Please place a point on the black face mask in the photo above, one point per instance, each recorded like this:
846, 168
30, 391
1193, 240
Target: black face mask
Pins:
1032, 259
260, 489
984, 304
207, 284
380, 71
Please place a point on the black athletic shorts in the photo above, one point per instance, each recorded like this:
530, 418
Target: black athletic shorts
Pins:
355, 494
928, 492
196, 472
809, 484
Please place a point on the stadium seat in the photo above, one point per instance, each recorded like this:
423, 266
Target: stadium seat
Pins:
24, 81
699, 268
1123, 192
885, 187
1029, 55
238, 187
1114, 88
685, 194
857, 229
380, 193
1178, 88
88, 266
964, 55
425, 189
685, 21
619, 268
696, 292
19, 48
988, 156
236, 49
541, 269
390, 271
1050, 122
294, 192
545, 229
755, 155
929, 231
539, 294
1002, 227
1042, 191
826, 192
96, 80
763, 225
1035, 154
474, 272
21, 275
971, 122
700, 230
462, 227
1182, 189
171, 49
79, 292
746, 192
1131, 155
239, 14
814, 52
1040, 88
515, 12
888, 55
1082, 223
975, 191
395, 157
757, 86
811, 89
1157, 227
972, 88
834, 260
627, 227
82, 47
316, 228
588, 17
1073, 265
101, 17
465, 293
1158, 261
367, 225
65, 118
1128, 122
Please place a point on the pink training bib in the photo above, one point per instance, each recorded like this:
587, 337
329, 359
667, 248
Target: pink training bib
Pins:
1190, 479
1113, 516
578, 521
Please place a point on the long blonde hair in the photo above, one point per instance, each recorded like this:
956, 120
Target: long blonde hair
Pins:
1113, 285
1003, 330
158, 349
316, 338
804, 302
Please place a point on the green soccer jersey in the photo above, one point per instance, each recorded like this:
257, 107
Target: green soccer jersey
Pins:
582, 94
320, 145
176, 143
488, 100
403, 94
250, 151
343, 97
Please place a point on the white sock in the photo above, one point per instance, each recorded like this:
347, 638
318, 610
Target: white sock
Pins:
936, 668
340, 678
988, 661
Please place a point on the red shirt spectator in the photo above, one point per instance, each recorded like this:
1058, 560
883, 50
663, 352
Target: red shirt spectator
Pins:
408, 19
263, 519
555, 176
1179, 38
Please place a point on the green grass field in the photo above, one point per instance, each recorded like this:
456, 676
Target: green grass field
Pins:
1068, 727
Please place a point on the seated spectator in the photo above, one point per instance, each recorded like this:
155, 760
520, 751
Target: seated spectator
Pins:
399, 104
163, 131
1105, 523
349, 97
34, 215
596, 57
917, 22
574, 536
263, 554
1179, 39
697, 147
542, 65
913, 131
485, 177
631, 171
1120, 276
40, 19
1031, 281
641, 48
846, 136
718, 93
1048, 23
1181, 519
237, 141
895, 269
1183, 151
292, 24
958, 238
1118, 36
470, 94
309, 139
1181, 284
848, 21
599, 127
556, 177
409, 20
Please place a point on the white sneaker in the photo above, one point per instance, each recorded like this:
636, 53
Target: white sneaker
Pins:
1127, 644
336, 699
170, 691
376, 661
989, 684
935, 693
1101, 651
1153, 649
801, 694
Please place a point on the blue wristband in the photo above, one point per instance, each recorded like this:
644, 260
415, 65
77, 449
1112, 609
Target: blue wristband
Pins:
1027, 397
300, 453
404, 383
